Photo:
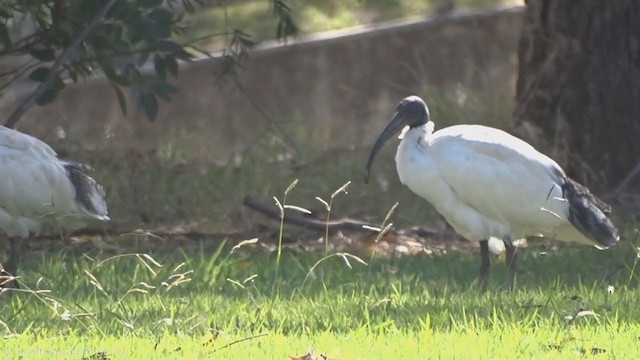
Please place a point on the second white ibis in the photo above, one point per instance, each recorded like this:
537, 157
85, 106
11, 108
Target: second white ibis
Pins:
487, 183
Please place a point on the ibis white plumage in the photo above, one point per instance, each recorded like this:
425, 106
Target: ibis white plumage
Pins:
41, 193
488, 183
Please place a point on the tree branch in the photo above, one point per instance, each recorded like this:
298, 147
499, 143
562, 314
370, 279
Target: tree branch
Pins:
146, 49
23, 45
19, 69
19, 72
57, 66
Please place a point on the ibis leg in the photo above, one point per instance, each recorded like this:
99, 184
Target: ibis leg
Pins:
485, 265
12, 263
512, 263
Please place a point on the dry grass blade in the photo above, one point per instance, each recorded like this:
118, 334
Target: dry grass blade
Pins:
250, 278
235, 282
584, 313
243, 243
138, 290
344, 256
181, 275
372, 228
93, 281
384, 231
551, 212
356, 258
390, 212
147, 286
343, 189
153, 261
293, 184
346, 260
298, 208
138, 255
326, 205
147, 266
279, 205
179, 266
176, 279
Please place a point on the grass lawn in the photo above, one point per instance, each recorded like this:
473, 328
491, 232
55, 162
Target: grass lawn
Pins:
244, 304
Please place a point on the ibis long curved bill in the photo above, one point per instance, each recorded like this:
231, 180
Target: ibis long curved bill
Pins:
396, 124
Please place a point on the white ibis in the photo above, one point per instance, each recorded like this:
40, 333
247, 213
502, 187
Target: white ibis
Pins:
487, 183
41, 193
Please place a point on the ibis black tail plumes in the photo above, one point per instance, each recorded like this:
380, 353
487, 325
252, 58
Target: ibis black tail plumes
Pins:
589, 214
89, 194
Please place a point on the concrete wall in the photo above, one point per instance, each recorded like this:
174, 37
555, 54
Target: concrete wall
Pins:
339, 87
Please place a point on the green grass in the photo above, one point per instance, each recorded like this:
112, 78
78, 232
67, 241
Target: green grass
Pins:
418, 306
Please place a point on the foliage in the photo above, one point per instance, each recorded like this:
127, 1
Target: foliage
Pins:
133, 35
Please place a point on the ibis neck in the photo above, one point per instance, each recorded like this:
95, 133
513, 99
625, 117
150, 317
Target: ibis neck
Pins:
416, 137
422, 131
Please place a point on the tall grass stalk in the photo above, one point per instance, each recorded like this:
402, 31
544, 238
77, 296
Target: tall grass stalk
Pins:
282, 206
328, 206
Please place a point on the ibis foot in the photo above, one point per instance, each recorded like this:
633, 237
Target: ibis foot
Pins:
485, 265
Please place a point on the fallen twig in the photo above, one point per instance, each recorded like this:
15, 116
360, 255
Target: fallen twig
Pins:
306, 221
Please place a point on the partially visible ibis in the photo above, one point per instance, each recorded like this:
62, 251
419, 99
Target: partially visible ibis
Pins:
487, 183
41, 193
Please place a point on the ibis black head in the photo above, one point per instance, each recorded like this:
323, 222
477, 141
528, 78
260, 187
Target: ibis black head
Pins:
412, 112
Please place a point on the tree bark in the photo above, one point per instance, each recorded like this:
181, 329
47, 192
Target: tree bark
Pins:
579, 83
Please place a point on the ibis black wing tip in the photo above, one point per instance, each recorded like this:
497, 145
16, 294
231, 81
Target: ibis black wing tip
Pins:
609, 244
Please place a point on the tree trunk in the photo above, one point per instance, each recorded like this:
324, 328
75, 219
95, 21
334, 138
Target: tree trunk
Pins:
579, 83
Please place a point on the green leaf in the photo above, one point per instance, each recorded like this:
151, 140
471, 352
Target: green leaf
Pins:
188, 6
149, 103
5, 39
39, 74
73, 75
43, 54
58, 84
119, 10
171, 64
158, 64
161, 17
168, 46
149, 3
286, 28
62, 39
183, 55
142, 59
110, 72
155, 30
47, 97
108, 69
164, 90
121, 99
4, 13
